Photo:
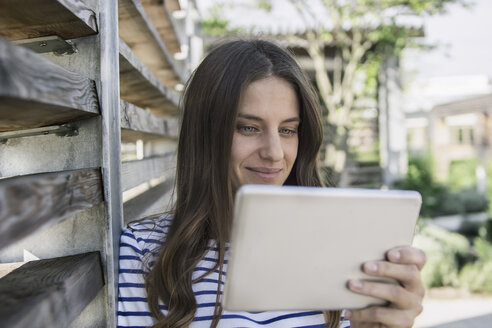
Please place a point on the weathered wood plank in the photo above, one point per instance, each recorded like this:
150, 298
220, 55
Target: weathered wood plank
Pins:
35, 92
30, 202
137, 172
173, 5
160, 17
137, 30
111, 149
140, 86
138, 123
155, 200
33, 155
178, 19
36, 18
50, 293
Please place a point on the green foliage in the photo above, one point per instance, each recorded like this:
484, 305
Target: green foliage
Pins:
452, 261
392, 39
461, 202
445, 251
419, 177
485, 231
215, 26
483, 249
264, 5
477, 276
369, 156
431, 7
438, 199
371, 68
462, 174
454, 242
473, 201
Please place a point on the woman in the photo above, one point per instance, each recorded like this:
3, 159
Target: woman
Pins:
249, 116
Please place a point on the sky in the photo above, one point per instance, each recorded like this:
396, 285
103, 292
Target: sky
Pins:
464, 38
461, 64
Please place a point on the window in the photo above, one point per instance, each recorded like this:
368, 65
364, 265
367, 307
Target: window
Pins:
462, 135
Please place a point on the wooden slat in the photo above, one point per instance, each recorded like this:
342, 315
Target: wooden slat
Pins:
138, 123
30, 202
137, 30
50, 152
160, 17
155, 200
139, 86
173, 5
137, 172
36, 18
35, 92
49, 293
178, 22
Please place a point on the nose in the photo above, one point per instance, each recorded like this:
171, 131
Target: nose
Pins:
271, 149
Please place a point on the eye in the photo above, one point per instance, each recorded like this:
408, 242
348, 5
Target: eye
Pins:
247, 129
288, 131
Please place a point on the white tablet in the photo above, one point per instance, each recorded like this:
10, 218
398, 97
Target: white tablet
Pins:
295, 248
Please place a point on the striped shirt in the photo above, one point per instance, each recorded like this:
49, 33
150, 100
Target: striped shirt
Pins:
141, 240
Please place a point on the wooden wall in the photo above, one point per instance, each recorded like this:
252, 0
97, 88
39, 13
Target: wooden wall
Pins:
89, 93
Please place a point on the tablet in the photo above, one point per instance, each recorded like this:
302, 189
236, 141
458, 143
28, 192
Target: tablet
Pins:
295, 248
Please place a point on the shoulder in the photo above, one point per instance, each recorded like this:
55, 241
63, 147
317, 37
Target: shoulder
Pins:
144, 237
156, 226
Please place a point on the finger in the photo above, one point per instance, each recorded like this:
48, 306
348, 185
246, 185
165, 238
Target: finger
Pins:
356, 324
407, 255
407, 274
396, 294
380, 315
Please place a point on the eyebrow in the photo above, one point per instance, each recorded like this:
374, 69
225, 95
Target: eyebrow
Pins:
259, 119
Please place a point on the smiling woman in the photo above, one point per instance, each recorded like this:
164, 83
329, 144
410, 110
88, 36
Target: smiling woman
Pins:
249, 116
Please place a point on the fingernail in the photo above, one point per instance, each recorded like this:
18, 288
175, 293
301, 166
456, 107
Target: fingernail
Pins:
347, 314
371, 267
356, 284
395, 255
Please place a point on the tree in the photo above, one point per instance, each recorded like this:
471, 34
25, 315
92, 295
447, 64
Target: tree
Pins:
361, 34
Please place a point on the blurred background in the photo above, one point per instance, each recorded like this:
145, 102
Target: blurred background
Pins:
406, 88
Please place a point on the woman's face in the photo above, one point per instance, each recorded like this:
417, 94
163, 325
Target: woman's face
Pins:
265, 141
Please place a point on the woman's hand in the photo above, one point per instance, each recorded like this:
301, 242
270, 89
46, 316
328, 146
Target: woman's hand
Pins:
405, 299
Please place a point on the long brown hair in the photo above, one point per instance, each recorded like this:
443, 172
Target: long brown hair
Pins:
204, 196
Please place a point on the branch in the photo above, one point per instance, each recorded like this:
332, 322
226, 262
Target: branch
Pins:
316, 52
358, 50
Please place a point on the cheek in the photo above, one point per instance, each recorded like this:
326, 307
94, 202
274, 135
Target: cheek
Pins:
235, 151
239, 151
243, 147
291, 151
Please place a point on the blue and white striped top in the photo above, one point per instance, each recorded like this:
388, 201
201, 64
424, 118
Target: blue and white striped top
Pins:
141, 240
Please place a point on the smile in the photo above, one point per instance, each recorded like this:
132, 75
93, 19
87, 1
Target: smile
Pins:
265, 173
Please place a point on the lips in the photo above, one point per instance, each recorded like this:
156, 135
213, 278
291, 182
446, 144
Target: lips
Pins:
265, 169
265, 173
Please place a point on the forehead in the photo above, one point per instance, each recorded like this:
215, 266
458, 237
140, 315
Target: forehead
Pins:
271, 94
